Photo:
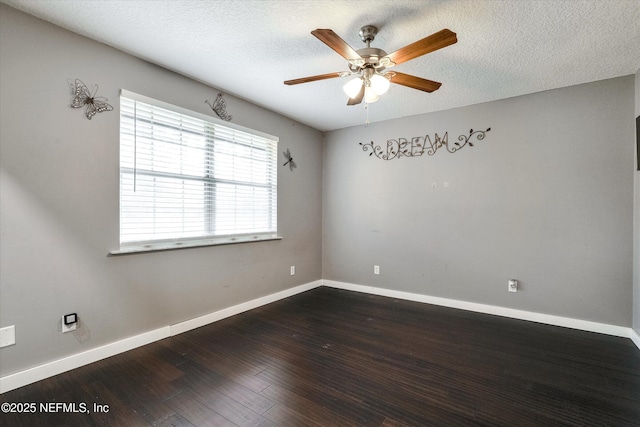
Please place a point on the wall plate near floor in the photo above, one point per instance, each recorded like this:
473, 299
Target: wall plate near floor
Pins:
7, 336
69, 322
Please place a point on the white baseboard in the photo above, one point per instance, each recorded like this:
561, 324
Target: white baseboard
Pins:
41, 372
29, 376
635, 337
566, 322
240, 308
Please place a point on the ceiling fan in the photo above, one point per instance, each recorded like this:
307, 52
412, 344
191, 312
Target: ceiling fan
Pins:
369, 65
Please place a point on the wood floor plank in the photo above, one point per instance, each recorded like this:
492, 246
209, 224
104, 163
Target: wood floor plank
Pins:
388, 422
115, 412
231, 367
203, 385
174, 421
313, 410
330, 357
284, 416
141, 381
195, 412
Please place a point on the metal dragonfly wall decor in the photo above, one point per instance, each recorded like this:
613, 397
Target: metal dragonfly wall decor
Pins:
290, 162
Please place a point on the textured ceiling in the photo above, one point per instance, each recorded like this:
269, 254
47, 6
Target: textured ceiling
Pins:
247, 48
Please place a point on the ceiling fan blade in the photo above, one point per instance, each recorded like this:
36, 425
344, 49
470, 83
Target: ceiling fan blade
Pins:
336, 43
442, 38
312, 78
358, 98
415, 82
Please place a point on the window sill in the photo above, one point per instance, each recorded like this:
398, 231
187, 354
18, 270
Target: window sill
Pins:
159, 247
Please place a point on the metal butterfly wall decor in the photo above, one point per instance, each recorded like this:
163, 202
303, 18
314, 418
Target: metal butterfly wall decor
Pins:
219, 106
81, 97
290, 162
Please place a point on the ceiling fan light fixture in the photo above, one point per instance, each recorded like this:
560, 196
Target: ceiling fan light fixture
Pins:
352, 87
379, 83
369, 65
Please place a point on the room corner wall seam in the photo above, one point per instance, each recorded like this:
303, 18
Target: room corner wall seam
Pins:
197, 322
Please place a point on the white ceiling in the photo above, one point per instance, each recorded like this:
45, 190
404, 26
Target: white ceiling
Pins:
247, 48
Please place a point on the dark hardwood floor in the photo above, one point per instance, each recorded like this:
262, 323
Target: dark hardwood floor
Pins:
336, 358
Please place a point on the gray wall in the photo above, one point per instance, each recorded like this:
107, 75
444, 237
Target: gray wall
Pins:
59, 210
545, 198
636, 215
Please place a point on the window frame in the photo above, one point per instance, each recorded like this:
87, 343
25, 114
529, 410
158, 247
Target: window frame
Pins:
128, 247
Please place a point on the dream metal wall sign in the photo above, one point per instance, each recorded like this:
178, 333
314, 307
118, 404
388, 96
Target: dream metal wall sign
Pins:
419, 145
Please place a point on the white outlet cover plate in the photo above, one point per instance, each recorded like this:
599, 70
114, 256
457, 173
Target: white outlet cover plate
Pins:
7, 336
69, 328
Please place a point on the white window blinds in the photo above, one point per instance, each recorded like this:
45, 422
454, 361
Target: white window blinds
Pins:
187, 177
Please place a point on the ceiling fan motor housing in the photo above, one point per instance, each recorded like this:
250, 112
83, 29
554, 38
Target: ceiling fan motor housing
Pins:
372, 56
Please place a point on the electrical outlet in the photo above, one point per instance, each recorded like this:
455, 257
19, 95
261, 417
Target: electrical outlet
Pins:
293, 270
376, 269
7, 336
513, 285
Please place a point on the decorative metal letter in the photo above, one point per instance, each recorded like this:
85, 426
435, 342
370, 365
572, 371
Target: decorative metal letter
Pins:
417, 146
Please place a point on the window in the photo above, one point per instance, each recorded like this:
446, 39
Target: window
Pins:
187, 179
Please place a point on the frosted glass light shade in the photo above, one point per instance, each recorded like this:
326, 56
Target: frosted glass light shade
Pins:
352, 87
370, 95
380, 84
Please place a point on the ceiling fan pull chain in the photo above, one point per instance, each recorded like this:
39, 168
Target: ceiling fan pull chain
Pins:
366, 108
